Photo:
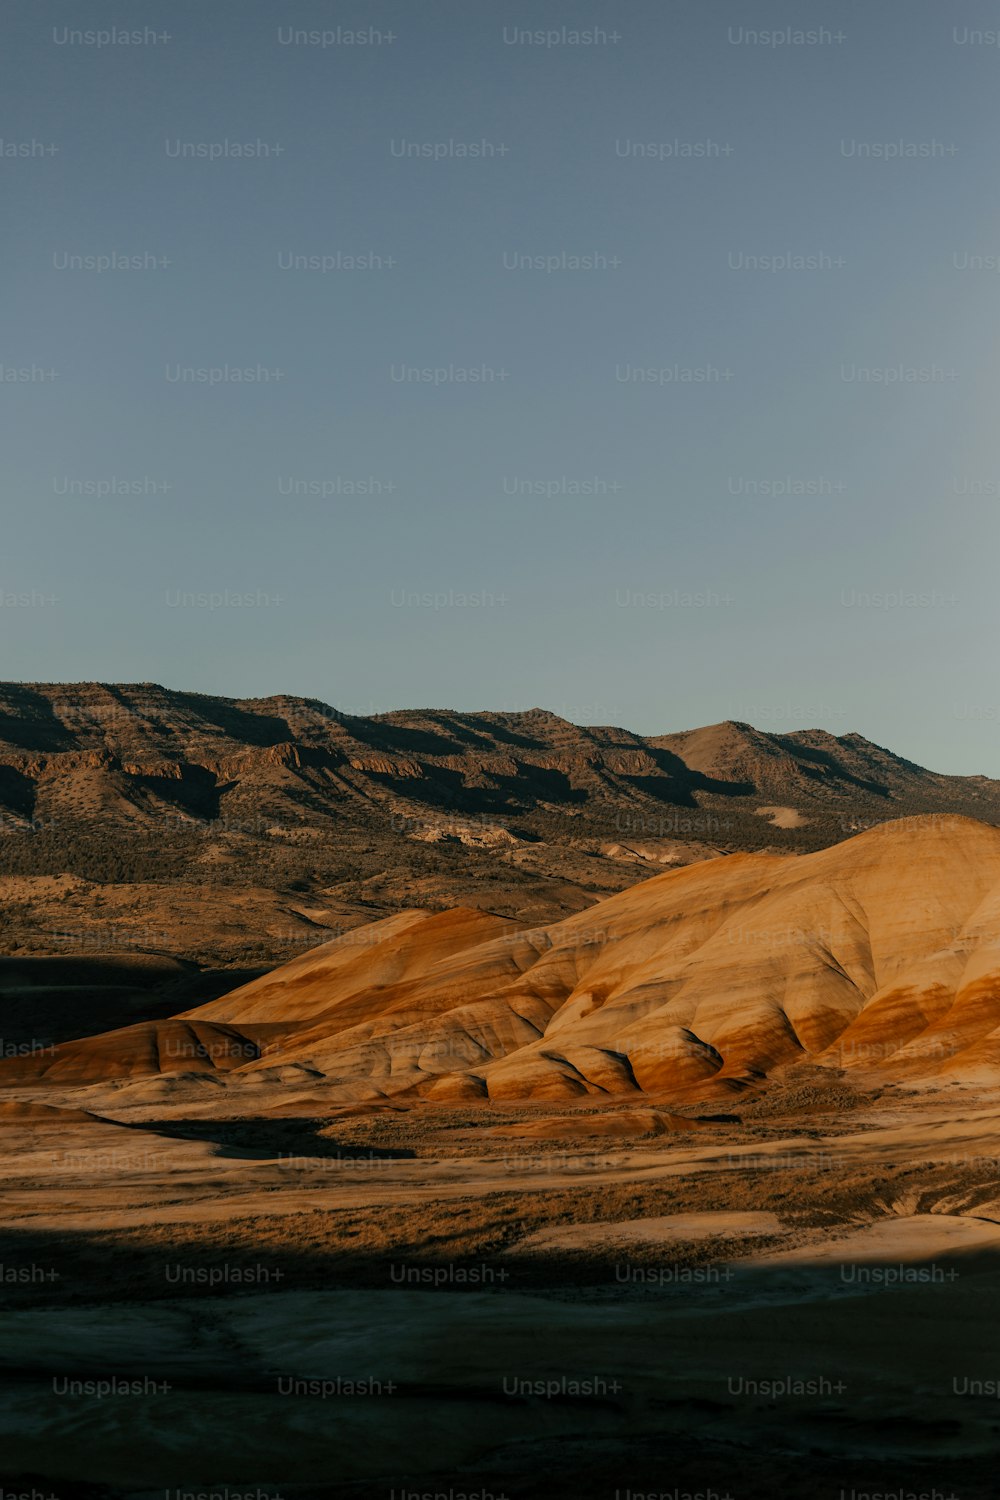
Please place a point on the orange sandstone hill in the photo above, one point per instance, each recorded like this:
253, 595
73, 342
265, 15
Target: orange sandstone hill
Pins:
880, 954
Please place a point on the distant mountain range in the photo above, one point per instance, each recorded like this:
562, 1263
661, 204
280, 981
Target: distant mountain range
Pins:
242, 830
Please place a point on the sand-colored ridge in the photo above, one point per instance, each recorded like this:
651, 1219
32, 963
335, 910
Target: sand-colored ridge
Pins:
879, 954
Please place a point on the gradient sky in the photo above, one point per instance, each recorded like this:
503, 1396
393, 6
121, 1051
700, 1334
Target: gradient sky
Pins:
673, 596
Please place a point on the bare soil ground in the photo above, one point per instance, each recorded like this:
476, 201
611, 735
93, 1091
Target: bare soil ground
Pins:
226, 1290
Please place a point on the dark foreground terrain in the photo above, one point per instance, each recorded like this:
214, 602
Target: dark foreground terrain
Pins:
798, 1297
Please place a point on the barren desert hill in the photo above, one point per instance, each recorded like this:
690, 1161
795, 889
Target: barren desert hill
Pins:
880, 954
237, 831
807, 764
142, 751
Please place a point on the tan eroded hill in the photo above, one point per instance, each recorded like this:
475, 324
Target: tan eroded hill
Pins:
881, 953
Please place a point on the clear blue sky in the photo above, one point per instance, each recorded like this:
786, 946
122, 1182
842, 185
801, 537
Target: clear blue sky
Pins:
678, 593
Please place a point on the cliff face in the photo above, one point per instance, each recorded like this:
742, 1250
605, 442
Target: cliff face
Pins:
502, 763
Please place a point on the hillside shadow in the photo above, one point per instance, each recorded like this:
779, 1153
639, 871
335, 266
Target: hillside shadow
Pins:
17, 792
36, 727
239, 724
689, 781
890, 1412
692, 1277
823, 766
259, 1139
402, 740
453, 738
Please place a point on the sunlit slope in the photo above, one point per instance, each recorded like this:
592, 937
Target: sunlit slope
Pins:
881, 953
